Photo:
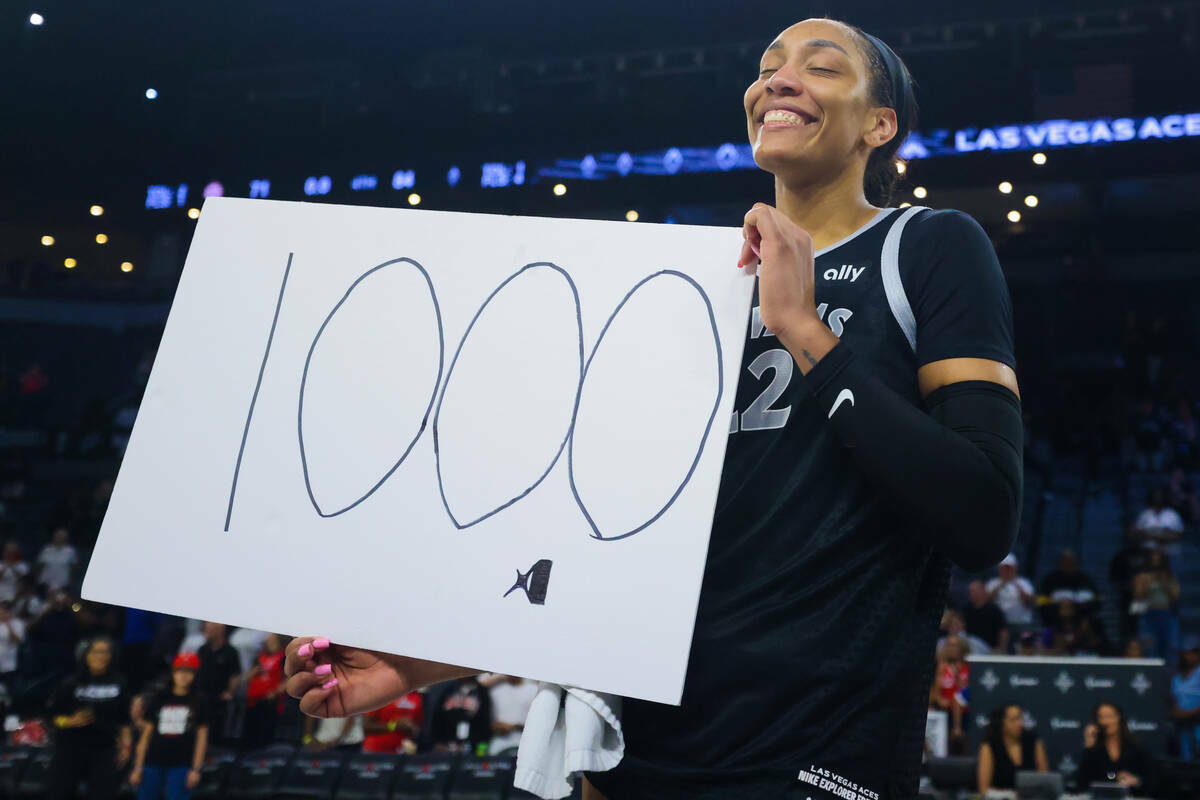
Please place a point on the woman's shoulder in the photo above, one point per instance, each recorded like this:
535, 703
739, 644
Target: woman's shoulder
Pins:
942, 221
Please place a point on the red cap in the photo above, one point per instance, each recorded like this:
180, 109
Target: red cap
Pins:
186, 661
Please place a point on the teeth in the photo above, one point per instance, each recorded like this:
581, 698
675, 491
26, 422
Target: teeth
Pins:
778, 115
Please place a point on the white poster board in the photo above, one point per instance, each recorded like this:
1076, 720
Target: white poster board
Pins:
486, 440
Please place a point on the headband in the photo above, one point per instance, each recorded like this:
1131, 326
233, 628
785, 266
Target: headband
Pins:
896, 75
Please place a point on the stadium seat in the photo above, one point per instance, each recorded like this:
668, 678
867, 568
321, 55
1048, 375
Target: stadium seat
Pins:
12, 764
214, 778
33, 777
952, 773
259, 774
312, 775
424, 777
482, 779
369, 776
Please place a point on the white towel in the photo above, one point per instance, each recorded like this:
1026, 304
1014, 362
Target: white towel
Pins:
580, 733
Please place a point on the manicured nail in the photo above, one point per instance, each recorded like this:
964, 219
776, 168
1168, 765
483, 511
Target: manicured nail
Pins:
329, 684
739, 265
305, 651
320, 644
324, 669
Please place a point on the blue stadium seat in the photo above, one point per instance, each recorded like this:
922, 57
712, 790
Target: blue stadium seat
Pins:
482, 778
312, 775
259, 774
369, 776
424, 777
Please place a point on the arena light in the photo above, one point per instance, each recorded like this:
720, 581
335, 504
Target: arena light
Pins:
920, 192
36, 19
101, 238
193, 213
1031, 200
1005, 187
414, 199
901, 167
1039, 158
560, 189
631, 215
1014, 216
47, 240
906, 205
126, 266
96, 211
151, 93
69, 263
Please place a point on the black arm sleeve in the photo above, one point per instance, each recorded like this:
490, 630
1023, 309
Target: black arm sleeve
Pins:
957, 468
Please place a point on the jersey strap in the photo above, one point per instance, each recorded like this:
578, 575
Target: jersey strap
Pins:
890, 270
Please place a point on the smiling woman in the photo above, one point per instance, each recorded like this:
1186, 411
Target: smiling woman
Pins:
876, 439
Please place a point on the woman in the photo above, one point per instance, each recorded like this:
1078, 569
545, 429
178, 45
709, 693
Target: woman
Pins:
885, 443
950, 685
1112, 755
264, 693
1185, 702
1007, 747
1157, 591
90, 716
174, 726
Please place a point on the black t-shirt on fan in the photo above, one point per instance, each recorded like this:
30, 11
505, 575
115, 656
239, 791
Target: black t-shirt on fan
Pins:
104, 696
814, 640
176, 719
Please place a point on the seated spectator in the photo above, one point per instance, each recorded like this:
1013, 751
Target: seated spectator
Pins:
1185, 701
1126, 564
12, 633
953, 625
1071, 634
511, 698
264, 694
1134, 649
948, 693
1159, 525
174, 737
1012, 593
395, 727
12, 568
462, 720
57, 561
1027, 644
1112, 754
1069, 583
1008, 746
1155, 595
30, 599
984, 619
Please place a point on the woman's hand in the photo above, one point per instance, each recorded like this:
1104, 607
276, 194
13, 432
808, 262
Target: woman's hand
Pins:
1091, 734
135, 777
333, 680
193, 778
1128, 779
785, 277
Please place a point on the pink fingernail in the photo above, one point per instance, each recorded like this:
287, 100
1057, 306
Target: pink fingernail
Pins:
305, 651
324, 669
320, 644
329, 684
739, 265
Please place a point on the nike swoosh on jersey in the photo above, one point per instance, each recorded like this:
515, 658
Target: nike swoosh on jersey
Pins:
843, 396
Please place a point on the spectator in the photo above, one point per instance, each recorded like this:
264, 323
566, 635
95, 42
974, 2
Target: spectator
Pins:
1134, 649
57, 561
1069, 583
1008, 746
264, 693
1184, 432
174, 737
1012, 593
1155, 593
12, 568
12, 633
1181, 496
395, 727
90, 714
1185, 701
141, 628
1112, 755
948, 692
52, 636
511, 698
953, 625
1159, 524
1027, 644
336, 733
1125, 565
30, 599
1071, 633
984, 619
462, 720
1148, 438
218, 677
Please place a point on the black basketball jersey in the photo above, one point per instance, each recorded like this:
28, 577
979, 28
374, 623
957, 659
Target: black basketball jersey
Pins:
813, 649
